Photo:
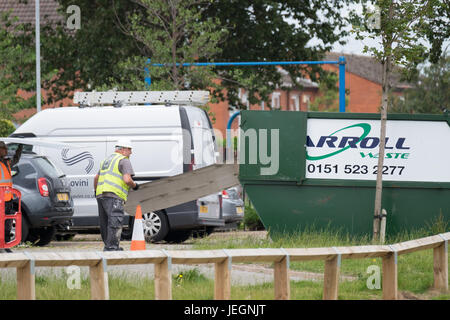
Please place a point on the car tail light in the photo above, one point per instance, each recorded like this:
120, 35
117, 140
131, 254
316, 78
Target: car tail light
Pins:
225, 194
43, 187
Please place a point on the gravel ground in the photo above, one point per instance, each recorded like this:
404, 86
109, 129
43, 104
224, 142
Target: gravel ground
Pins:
241, 274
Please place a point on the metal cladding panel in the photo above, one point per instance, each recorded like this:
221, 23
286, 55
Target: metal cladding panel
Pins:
292, 208
284, 157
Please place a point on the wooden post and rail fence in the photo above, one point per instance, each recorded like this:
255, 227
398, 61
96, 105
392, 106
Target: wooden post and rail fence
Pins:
98, 262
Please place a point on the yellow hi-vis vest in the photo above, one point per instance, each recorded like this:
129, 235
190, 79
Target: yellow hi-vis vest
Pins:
110, 179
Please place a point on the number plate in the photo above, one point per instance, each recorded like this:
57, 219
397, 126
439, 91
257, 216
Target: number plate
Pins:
240, 210
203, 209
63, 196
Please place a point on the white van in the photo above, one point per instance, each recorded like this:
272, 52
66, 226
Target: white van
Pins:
167, 140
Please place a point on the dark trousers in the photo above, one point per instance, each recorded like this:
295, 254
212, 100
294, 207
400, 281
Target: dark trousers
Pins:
111, 215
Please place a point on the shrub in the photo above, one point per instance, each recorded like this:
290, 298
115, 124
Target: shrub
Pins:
251, 219
6, 127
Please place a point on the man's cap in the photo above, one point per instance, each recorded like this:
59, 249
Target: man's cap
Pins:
3, 145
124, 143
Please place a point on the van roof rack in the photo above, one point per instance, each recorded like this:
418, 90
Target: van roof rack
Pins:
119, 98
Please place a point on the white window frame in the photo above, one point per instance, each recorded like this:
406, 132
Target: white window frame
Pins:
307, 100
296, 102
276, 100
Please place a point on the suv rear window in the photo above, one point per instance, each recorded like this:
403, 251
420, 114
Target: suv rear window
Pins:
49, 168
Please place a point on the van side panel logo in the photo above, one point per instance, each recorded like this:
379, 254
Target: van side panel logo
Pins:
78, 158
366, 130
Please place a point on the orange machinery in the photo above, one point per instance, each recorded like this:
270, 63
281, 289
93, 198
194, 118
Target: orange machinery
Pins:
17, 217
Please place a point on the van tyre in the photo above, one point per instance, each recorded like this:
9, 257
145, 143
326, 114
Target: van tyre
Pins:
127, 233
156, 226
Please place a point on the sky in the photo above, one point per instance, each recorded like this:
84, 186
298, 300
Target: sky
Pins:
354, 46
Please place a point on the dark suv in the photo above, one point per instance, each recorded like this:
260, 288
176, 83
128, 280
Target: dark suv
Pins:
46, 201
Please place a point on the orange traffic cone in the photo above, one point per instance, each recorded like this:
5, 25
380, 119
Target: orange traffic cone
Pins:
138, 240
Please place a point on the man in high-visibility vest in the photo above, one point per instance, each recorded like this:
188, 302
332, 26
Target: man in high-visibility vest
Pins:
112, 183
6, 181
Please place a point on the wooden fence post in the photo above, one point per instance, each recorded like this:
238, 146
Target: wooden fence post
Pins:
331, 277
222, 279
440, 266
282, 279
99, 281
390, 280
163, 278
26, 289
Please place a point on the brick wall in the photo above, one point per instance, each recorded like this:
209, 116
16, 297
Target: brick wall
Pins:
365, 95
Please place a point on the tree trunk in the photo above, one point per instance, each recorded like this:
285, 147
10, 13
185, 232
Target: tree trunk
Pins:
379, 184
387, 48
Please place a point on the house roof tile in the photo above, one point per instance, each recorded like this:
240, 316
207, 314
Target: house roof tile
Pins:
368, 68
24, 10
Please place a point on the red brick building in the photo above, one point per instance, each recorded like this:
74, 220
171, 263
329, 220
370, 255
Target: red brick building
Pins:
363, 79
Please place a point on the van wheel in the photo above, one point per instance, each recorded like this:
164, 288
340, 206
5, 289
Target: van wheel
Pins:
127, 233
156, 226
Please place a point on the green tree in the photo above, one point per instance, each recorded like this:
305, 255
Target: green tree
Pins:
6, 127
430, 92
402, 28
86, 58
172, 33
17, 66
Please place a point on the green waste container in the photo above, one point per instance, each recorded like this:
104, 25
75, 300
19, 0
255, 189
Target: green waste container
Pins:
318, 170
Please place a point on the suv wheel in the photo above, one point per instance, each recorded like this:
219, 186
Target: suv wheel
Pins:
25, 229
156, 226
45, 236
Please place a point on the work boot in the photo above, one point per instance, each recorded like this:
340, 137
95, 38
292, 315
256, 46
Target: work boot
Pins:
113, 249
